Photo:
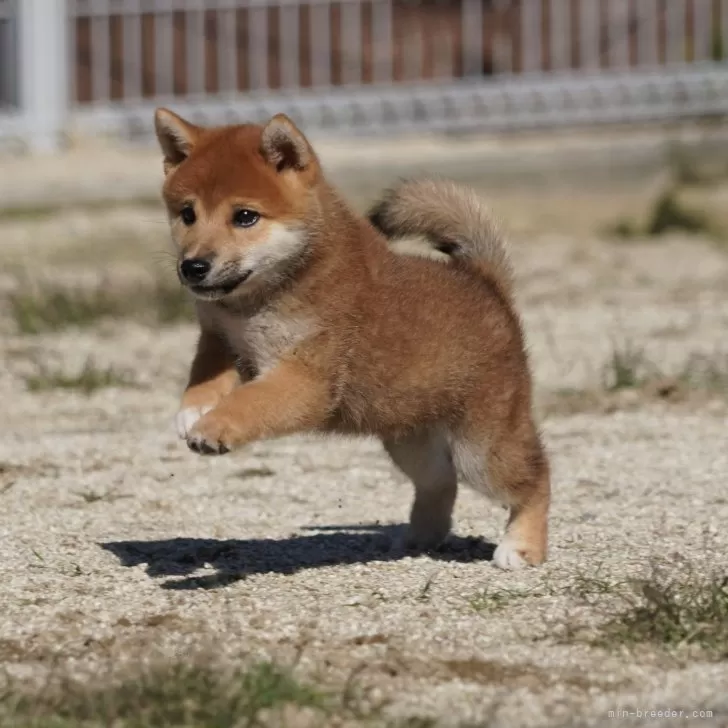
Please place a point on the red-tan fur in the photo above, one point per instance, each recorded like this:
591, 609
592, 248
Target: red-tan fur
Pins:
334, 331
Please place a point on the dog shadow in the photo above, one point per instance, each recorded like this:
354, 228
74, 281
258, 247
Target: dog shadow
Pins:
226, 561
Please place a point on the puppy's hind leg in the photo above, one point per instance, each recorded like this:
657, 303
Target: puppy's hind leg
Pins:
514, 472
426, 460
526, 536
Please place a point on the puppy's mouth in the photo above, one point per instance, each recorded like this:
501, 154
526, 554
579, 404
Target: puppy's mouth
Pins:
215, 291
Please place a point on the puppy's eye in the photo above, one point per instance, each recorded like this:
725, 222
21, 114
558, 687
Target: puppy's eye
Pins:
245, 218
187, 213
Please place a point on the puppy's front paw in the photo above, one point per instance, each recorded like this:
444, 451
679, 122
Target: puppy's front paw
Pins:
212, 434
186, 418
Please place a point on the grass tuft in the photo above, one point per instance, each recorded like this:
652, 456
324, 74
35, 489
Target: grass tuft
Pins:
175, 695
27, 213
667, 214
673, 612
629, 377
709, 373
627, 368
587, 587
93, 496
246, 473
492, 600
624, 229
88, 380
35, 312
37, 309
670, 215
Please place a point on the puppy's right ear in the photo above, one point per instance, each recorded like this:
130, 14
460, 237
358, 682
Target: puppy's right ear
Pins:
176, 137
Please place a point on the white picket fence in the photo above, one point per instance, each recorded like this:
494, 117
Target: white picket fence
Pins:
356, 66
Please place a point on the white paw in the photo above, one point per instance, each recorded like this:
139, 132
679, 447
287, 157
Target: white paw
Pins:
187, 417
507, 557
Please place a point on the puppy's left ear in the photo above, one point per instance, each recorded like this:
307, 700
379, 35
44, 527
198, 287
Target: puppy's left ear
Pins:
284, 146
176, 137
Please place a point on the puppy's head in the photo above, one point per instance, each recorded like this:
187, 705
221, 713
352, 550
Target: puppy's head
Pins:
238, 199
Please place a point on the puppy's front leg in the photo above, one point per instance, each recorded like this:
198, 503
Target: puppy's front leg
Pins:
285, 400
212, 376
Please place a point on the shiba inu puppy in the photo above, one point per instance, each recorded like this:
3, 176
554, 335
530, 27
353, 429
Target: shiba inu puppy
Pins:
314, 319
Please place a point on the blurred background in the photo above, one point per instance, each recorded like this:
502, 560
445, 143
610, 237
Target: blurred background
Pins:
88, 67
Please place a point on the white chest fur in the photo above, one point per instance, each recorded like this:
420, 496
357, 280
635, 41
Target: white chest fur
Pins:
264, 337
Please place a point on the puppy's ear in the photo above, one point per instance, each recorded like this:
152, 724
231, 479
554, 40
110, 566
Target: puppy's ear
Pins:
285, 147
176, 137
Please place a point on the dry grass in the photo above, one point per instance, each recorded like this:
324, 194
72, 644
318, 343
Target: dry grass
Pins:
87, 380
672, 610
630, 368
668, 214
168, 695
35, 212
193, 694
586, 588
690, 171
629, 378
37, 308
496, 600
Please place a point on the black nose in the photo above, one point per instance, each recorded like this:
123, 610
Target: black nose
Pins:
194, 270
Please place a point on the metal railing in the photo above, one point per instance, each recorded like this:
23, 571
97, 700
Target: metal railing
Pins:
356, 66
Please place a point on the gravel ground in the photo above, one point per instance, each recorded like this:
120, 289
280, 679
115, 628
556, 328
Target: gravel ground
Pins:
119, 545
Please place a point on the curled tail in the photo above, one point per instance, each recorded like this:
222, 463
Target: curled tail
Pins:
442, 219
